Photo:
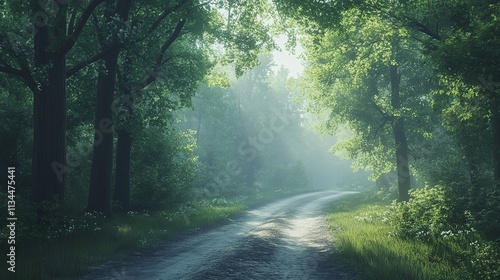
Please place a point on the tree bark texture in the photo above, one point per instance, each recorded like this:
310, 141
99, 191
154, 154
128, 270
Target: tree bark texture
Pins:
49, 111
400, 140
102, 159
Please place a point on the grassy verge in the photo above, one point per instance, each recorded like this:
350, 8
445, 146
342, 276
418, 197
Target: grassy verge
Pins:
363, 232
93, 239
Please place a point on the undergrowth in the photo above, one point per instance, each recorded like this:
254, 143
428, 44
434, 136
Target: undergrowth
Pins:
387, 240
83, 240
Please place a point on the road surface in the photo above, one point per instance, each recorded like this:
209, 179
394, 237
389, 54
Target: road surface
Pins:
286, 239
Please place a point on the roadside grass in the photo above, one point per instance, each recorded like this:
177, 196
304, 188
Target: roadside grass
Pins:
93, 239
96, 239
360, 225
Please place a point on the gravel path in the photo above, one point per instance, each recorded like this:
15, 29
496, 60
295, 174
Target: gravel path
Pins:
286, 239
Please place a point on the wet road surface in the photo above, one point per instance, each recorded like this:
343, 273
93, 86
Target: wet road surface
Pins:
286, 239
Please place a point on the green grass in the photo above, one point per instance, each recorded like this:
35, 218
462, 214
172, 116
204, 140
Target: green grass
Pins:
96, 239
362, 230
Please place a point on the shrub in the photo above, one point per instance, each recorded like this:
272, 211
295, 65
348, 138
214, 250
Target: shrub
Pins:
439, 218
163, 170
430, 210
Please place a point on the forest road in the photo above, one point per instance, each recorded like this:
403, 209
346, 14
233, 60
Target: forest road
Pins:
286, 239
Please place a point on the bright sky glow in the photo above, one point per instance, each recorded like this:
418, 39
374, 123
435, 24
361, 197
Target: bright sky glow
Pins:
287, 59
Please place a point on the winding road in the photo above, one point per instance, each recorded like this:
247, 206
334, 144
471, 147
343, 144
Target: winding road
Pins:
286, 239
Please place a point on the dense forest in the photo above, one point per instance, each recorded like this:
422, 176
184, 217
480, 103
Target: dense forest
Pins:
126, 121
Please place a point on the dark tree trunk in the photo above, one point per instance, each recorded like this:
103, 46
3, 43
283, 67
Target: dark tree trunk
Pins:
475, 190
102, 159
198, 129
250, 172
51, 43
122, 176
49, 112
496, 139
124, 145
401, 143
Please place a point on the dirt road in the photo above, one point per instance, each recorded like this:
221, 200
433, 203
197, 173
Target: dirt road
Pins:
287, 239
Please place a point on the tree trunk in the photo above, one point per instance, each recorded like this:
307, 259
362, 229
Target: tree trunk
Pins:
401, 143
124, 145
198, 129
122, 175
475, 188
49, 112
496, 138
102, 159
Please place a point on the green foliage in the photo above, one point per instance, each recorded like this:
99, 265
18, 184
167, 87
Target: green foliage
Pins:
246, 137
15, 130
246, 34
487, 218
484, 260
438, 218
348, 81
285, 178
429, 212
163, 169
365, 228
447, 55
91, 238
361, 229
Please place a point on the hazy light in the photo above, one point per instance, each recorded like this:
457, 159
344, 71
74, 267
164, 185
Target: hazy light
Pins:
285, 58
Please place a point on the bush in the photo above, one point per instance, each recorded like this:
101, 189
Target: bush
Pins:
439, 218
484, 260
487, 220
430, 211
163, 170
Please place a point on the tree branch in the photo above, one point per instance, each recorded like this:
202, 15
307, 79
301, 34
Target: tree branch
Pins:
170, 41
160, 18
155, 25
382, 113
91, 60
24, 72
71, 25
153, 76
12, 71
380, 127
99, 36
70, 42
28, 79
422, 28
408, 21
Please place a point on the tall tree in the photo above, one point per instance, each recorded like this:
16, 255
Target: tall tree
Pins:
41, 64
102, 157
463, 43
203, 19
364, 79
175, 70
398, 127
